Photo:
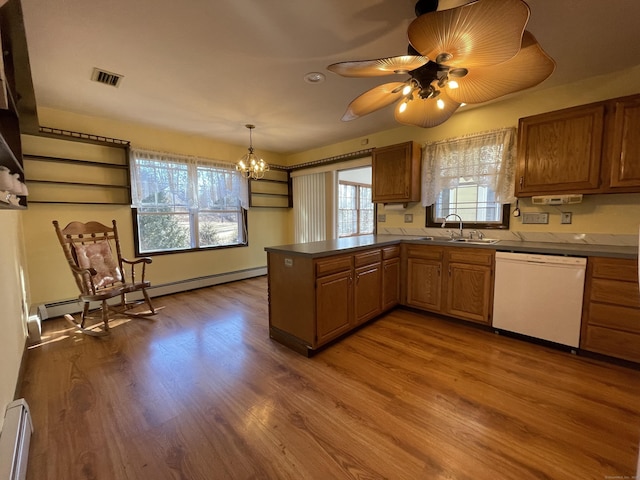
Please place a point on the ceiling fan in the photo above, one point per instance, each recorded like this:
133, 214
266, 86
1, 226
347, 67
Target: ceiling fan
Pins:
472, 53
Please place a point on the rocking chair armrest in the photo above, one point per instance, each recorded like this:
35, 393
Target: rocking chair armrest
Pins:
138, 260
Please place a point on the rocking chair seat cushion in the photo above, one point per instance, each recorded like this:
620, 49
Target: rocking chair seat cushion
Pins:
98, 255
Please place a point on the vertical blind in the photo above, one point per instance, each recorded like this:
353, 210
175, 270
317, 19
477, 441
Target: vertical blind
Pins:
309, 211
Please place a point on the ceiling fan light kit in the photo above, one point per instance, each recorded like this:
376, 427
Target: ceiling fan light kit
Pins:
472, 53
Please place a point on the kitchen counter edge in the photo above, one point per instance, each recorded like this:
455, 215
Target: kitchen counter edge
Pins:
352, 244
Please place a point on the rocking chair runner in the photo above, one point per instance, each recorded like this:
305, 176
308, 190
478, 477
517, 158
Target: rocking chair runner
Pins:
100, 276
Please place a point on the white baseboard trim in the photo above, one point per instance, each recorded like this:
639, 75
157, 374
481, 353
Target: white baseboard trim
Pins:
62, 307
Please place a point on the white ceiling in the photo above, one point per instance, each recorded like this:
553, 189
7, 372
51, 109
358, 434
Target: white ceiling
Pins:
207, 67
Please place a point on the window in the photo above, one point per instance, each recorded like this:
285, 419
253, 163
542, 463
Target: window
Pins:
471, 177
186, 203
355, 210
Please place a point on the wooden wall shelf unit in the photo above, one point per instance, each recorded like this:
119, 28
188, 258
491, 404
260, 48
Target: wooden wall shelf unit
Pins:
74, 181
272, 191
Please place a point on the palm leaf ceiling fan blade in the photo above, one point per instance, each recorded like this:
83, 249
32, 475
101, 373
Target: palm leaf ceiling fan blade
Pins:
378, 67
374, 99
426, 113
528, 68
482, 33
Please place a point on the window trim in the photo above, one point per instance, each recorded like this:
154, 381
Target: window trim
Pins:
358, 187
136, 239
430, 221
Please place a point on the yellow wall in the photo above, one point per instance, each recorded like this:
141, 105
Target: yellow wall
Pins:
13, 301
48, 273
613, 214
616, 214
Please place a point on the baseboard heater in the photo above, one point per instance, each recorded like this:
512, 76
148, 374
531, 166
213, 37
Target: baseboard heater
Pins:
56, 309
14, 441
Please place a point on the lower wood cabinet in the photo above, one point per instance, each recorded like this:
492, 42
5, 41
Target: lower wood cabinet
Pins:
611, 311
313, 301
454, 281
390, 277
469, 284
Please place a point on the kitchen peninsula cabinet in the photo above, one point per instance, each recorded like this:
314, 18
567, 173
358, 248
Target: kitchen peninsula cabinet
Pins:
313, 301
592, 148
367, 285
454, 281
611, 310
395, 173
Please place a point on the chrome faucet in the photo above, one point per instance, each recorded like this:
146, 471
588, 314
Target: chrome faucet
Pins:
444, 222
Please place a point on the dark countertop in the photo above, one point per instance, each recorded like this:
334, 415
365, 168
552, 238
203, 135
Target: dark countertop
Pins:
352, 244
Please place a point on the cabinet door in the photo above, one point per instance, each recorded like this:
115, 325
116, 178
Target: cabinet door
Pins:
469, 292
560, 152
396, 173
390, 283
424, 283
368, 284
334, 300
625, 147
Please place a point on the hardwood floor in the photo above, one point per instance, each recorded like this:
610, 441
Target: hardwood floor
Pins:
201, 392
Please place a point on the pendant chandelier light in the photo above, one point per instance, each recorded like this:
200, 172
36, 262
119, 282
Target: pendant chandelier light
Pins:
250, 165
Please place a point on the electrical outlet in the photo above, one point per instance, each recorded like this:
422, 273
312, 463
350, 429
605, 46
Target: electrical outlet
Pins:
532, 217
565, 217
408, 218
382, 217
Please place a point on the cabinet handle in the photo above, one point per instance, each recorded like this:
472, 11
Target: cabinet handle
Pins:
521, 180
357, 279
449, 270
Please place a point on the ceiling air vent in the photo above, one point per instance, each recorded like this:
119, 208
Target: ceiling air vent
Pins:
108, 78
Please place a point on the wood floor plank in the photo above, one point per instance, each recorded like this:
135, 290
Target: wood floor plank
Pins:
201, 392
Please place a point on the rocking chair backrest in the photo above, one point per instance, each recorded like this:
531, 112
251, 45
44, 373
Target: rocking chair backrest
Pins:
87, 248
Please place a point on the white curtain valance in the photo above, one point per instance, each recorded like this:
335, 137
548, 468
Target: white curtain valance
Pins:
486, 158
177, 175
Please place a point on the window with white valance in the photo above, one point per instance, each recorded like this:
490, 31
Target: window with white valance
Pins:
184, 203
472, 176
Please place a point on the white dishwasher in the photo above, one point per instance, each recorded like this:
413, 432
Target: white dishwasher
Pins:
539, 296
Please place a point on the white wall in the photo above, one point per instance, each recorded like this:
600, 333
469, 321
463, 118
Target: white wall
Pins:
13, 298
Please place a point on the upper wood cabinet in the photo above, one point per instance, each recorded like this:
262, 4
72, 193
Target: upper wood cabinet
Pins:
396, 173
588, 149
560, 151
624, 149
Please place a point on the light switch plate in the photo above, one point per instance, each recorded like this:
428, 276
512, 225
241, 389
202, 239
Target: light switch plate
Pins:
382, 217
408, 218
565, 217
535, 217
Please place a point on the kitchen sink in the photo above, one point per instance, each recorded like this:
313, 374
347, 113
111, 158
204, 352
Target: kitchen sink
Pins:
476, 241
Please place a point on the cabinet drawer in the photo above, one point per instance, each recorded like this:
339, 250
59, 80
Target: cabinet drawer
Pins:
424, 251
615, 292
614, 316
615, 343
367, 258
470, 255
332, 265
391, 252
614, 268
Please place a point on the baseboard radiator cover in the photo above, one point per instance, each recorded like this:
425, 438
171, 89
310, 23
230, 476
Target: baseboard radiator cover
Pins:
14, 441
57, 309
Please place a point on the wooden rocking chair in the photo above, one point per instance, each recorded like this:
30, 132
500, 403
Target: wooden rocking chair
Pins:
100, 276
